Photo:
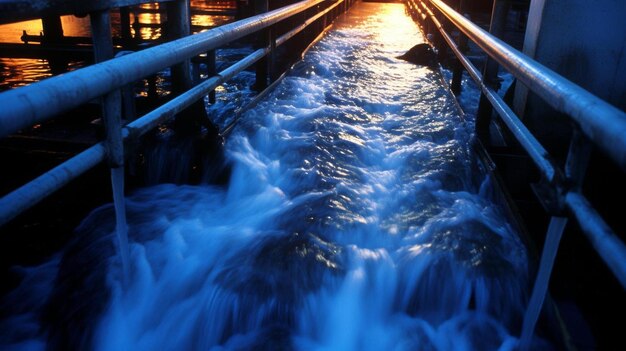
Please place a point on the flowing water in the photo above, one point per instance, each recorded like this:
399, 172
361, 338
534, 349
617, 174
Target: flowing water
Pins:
356, 218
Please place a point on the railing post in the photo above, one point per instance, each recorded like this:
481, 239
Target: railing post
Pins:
575, 168
321, 23
111, 112
457, 74
551, 246
273, 73
129, 110
125, 25
429, 24
211, 71
261, 6
53, 34
490, 71
178, 26
52, 29
193, 118
577, 159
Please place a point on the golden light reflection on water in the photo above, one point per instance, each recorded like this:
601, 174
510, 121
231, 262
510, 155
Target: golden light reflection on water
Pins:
146, 32
16, 72
395, 34
72, 27
11, 33
208, 21
19, 72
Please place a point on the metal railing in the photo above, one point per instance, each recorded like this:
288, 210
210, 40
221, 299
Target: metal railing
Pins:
601, 123
26, 106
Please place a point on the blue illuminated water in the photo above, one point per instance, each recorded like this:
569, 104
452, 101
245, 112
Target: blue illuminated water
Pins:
356, 218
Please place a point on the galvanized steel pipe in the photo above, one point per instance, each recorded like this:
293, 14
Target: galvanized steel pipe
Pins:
283, 38
603, 123
168, 110
35, 103
591, 112
31, 193
535, 150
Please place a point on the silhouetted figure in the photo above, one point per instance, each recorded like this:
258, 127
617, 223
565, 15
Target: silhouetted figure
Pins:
421, 54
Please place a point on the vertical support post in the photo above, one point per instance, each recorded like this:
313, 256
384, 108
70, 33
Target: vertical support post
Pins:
243, 9
273, 72
457, 74
125, 25
261, 6
129, 111
457, 78
195, 72
550, 247
577, 158
428, 24
211, 71
111, 111
136, 27
490, 70
191, 120
575, 167
128, 101
53, 34
178, 26
52, 29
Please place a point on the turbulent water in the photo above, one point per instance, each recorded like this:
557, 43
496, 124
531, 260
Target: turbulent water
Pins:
355, 218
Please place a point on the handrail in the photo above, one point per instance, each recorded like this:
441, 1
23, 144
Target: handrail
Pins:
102, 78
566, 97
536, 151
35, 103
22, 10
603, 123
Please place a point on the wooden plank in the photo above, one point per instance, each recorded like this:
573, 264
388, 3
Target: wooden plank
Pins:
22, 10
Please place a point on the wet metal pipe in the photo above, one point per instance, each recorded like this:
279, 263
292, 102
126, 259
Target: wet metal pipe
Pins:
24, 107
171, 108
607, 244
536, 151
604, 124
179, 103
31, 193
283, 38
